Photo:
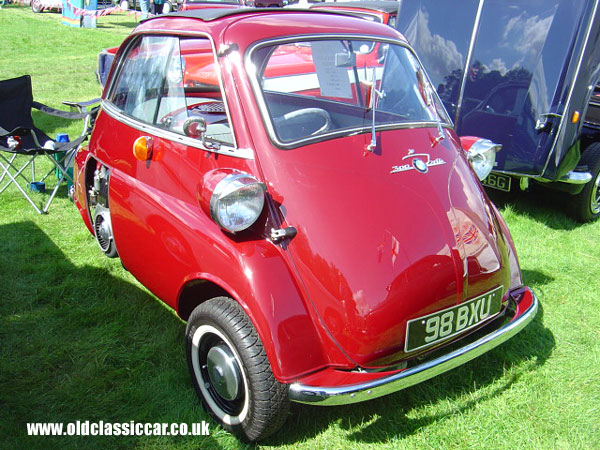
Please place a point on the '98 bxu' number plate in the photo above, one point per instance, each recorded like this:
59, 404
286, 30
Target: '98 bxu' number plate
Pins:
428, 330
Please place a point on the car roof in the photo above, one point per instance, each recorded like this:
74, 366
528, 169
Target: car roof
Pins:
247, 25
388, 7
206, 14
212, 14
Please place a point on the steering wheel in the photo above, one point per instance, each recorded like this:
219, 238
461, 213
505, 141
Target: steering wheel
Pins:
303, 122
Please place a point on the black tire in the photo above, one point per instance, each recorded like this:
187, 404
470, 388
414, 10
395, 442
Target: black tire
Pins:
586, 204
36, 6
239, 391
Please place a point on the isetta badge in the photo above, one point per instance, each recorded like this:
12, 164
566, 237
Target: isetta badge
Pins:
417, 163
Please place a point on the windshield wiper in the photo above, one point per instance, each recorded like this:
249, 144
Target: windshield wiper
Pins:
441, 135
428, 95
380, 94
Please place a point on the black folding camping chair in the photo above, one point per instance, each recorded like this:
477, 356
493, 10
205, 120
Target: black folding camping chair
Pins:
19, 136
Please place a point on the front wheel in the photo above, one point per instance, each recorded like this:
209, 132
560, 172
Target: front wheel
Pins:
587, 203
231, 372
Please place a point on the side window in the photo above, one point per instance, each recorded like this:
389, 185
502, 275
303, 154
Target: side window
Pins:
141, 83
164, 81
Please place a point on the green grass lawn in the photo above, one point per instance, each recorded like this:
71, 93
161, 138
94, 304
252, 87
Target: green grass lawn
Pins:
81, 339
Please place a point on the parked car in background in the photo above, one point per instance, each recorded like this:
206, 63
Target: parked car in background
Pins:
381, 11
266, 3
301, 199
38, 6
187, 5
521, 73
171, 6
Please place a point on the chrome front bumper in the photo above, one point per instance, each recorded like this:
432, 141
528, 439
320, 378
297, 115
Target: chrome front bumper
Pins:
342, 395
576, 178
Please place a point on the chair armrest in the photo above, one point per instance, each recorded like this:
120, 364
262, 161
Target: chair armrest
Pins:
83, 113
87, 115
81, 106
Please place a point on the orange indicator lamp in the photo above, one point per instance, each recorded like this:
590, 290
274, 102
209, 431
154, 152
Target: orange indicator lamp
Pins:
142, 148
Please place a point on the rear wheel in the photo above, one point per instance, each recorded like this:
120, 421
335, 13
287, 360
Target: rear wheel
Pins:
587, 203
231, 372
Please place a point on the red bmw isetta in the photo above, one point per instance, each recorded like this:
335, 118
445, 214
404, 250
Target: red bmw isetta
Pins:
289, 182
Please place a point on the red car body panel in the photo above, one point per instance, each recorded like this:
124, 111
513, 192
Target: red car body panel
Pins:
339, 295
382, 16
357, 287
154, 219
336, 377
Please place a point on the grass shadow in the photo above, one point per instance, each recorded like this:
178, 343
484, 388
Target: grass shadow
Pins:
543, 205
79, 343
535, 278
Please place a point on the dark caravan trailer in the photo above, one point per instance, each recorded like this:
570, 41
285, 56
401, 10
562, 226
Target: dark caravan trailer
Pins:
522, 73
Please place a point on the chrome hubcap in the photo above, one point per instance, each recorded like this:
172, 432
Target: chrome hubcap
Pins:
595, 197
223, 372
103, 227
219, 374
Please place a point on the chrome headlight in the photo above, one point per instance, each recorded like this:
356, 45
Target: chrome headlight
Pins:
482, 156
237, 201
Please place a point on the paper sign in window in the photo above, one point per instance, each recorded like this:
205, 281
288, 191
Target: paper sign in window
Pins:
334, 81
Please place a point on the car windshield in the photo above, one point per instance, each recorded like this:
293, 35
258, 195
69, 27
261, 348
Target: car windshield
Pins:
315, 88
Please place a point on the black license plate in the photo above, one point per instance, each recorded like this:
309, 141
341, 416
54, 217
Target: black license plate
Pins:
498, 181
442, 325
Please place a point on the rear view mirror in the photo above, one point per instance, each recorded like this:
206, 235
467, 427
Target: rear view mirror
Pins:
194, 127
345, 59
424, 89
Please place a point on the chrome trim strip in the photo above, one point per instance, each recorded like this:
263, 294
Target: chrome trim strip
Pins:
357, 130
521, 175
342, 395
252, 73
572, 89
570, 177
576, 178
115, 113
468, 59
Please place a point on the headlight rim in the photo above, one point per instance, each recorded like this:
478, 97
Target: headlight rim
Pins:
480, 148
227, 186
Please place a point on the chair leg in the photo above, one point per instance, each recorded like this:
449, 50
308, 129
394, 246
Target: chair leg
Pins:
8, 174
10, 163
52, 194
18, 173
60, 165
